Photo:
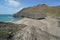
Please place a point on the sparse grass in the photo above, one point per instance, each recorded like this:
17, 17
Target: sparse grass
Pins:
52, 12
3, 34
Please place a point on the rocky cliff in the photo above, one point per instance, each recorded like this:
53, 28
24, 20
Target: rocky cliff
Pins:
38, 11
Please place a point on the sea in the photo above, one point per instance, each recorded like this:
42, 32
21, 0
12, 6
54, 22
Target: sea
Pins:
8, 18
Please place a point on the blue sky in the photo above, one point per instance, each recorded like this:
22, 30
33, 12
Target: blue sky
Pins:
13, 6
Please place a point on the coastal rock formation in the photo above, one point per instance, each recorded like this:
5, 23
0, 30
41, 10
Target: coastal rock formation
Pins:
38, 12
8, 29
34, 12
46, 29
33, 33
31, 29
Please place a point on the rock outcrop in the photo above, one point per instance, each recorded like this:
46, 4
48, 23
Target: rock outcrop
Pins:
46, 29
33, 33
31, 29
38, 12
34, 12
7, 30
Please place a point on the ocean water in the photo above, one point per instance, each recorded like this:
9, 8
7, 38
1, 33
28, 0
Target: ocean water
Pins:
8, 18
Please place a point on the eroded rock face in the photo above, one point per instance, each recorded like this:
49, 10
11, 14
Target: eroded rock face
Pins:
34, 12
47, 29
7, 30
53, 26
7, 26
31, 29
33, 33
38, 11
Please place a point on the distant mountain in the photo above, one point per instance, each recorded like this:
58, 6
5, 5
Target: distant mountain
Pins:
38, 11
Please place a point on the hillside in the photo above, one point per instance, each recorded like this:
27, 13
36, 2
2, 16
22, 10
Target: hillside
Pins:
38, 11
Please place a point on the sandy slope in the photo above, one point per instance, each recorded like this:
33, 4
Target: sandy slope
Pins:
49, 24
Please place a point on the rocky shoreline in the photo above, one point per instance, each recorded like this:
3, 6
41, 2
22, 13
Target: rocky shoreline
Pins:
31, 29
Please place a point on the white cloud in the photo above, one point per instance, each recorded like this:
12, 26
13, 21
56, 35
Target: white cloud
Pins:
13, 3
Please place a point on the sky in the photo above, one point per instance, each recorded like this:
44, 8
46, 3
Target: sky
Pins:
13, 6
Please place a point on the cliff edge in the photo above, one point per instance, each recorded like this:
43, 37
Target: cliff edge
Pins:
39, 11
